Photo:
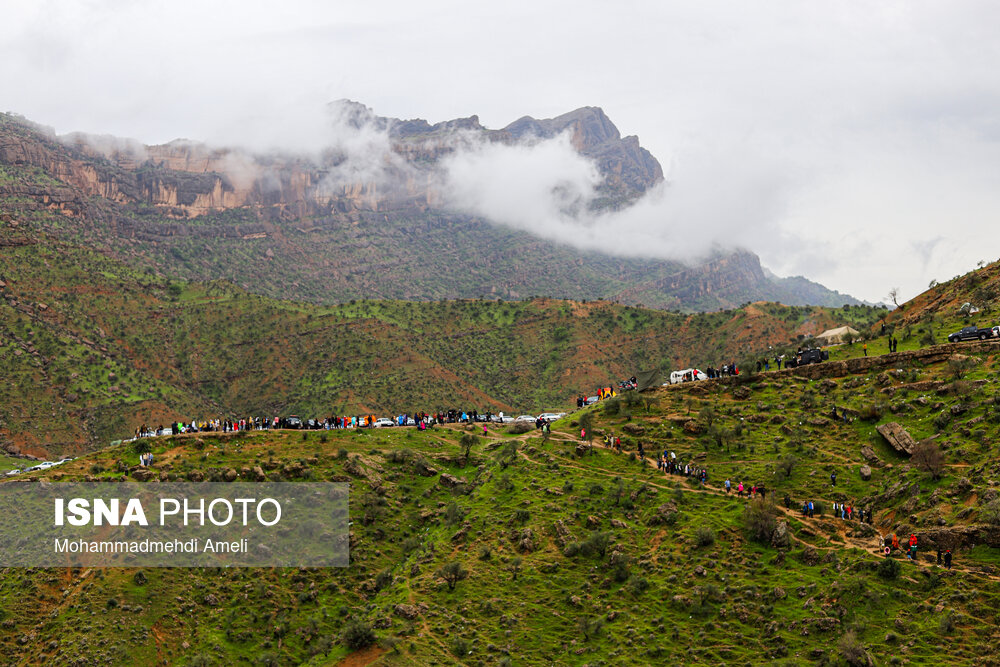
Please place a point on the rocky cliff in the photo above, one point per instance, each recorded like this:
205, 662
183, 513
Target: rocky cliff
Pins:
296, 226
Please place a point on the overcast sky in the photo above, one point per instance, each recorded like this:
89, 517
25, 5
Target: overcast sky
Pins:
855, 143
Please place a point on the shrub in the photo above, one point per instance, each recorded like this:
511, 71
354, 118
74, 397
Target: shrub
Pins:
888, 568
460, 647
927, 456
704, 536
759, 522
871, 412
357, 635
852, 651
596, 544
520, 427
941, 420
947, 623
991, 513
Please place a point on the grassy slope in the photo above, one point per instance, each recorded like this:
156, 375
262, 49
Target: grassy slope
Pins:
752, 602
96, 348
821, 600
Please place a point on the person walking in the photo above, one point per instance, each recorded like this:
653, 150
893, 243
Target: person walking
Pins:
833, 479
866, 349
947, 559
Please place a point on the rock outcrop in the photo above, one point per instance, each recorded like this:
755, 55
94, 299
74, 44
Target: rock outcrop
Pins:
897, 437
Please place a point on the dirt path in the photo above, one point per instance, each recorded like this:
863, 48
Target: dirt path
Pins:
820, 526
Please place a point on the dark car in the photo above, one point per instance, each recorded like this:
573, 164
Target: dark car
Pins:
293, 421
805, 357
970, 333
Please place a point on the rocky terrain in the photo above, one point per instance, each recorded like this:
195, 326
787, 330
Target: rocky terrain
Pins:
295, 226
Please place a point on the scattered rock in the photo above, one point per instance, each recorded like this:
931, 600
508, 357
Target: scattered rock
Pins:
258, 474
141, 474
692, 427
450, 481
593, 521
634, 429
699, 571
897, 437
231, 475
406, 611
617, 523
869, 455
866, 472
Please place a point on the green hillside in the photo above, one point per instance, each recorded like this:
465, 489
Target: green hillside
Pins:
93, 348
588, 556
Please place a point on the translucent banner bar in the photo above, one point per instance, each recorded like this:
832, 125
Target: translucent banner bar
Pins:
269, 524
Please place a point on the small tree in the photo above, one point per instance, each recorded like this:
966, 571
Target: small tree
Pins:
759, 522
927, 456
452, 573
515, 567
894, 294
468, 441
590, 626
357, 635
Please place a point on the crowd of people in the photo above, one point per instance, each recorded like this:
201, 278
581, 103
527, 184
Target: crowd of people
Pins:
726, 370
224, 425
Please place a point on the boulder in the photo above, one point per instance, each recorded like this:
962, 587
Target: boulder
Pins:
424, 470
869, 455
692, 427
897, 437
618, 523
866, 472
406, 611
143, 474
582, 449
231, 475
450, 481
593, 521
780, 539
634, 429
258, 474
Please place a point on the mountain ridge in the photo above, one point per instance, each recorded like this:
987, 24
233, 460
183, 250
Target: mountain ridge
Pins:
182, 206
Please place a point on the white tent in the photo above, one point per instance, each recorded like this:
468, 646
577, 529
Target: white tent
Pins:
836, 336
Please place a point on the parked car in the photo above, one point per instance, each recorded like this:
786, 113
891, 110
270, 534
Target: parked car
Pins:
11, 473
293, 421
972, 333
526, 418
551, 416
813, 355
382, 422
687, 375
590, 400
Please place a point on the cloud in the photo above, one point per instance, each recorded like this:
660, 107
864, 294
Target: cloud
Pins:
545, 187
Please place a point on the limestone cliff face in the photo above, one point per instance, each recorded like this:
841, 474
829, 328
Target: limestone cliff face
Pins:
187, 179
312, 229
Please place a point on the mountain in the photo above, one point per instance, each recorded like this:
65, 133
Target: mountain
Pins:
93, 347
322, 228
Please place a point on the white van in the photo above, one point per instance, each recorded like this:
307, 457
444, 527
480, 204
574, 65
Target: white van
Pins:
687, 375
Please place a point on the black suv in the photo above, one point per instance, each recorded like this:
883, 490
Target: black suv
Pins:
970, 333
805, 357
